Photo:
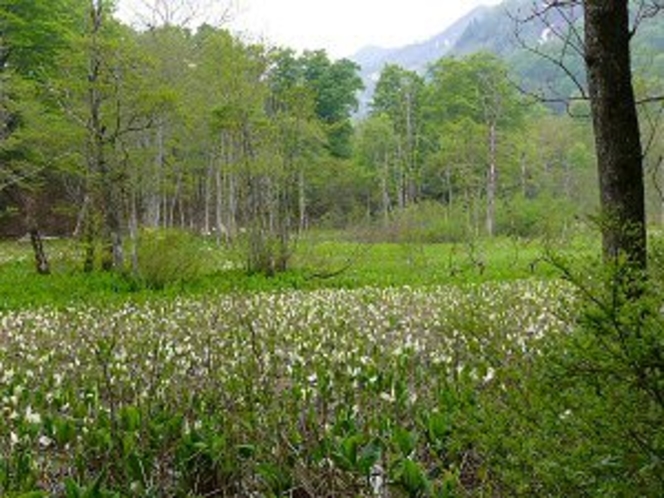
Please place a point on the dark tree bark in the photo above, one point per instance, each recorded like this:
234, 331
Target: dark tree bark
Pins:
617, 135
41, 261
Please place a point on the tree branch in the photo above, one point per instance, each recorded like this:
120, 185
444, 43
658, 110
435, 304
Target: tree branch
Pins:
653, 125
559, 62
647, 9
650, 100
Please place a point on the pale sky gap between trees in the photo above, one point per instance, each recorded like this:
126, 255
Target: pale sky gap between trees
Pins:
341, 27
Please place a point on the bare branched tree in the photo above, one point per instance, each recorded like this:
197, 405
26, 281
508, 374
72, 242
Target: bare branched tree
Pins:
185, 13
559, 20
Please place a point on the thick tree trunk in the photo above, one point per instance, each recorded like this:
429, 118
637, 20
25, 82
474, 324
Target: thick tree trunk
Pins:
617, 136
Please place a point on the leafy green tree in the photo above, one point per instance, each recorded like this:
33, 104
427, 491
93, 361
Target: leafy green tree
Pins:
477, 89
32, 34
33, 135
101, 88
376, 152
165, 149
398, 95
300, 132
335, 85
455, 169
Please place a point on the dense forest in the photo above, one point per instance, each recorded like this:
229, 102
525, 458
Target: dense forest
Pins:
108, 129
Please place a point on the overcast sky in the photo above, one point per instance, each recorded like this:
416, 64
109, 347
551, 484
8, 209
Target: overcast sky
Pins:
340, 26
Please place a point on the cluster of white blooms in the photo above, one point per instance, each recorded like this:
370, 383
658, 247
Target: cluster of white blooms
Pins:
366, 349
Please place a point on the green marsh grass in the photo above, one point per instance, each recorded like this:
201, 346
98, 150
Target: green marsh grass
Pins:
329, 260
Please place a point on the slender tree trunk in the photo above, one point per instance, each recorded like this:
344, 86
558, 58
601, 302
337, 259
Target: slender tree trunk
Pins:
95, 141
174, 201
82, 216
617, 135
401, 180
133, 233
219, 205
524, 176
117, 248
411, 181
491, 183
385, 192
207, 197
270, 203
470, 210
154, 195
302, 200
182, 212
41, 261
567, 180
660, 173
232, 225
90, 231
450, 187
163, 209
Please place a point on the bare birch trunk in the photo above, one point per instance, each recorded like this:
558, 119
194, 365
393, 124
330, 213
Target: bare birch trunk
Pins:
219, 205
385, 193
302, 201
154, 201
491, 184
207, 197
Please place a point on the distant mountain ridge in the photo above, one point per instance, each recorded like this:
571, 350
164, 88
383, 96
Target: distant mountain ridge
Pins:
415, 56
483, 28
490, 28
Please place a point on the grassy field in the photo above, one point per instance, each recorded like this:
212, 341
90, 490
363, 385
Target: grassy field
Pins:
319, 262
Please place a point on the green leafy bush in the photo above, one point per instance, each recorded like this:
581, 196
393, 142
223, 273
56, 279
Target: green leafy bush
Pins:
584, 415
167, 257
428, 222
532, 218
